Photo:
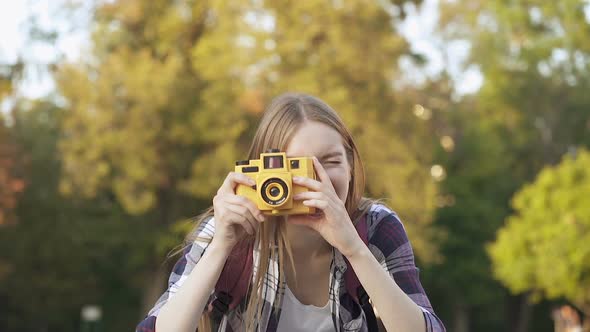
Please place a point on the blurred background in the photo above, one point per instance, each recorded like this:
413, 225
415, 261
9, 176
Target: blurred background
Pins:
120, 118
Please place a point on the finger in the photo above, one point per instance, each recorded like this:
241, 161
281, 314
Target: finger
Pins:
319, 169
237, 219
232, 180
247, 203
244, 212
317, 203
309, 195
308, 183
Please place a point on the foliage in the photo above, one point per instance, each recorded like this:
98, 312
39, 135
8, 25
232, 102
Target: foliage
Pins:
170, 99
64, 252
146, 124
543, 246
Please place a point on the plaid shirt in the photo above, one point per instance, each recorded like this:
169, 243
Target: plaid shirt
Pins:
387, 241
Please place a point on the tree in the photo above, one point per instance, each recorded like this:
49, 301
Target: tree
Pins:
347, 54
11, 178
11, 182
479, 178
543, 247
535, 74
531, 109
65, 252
162, 109
146, 121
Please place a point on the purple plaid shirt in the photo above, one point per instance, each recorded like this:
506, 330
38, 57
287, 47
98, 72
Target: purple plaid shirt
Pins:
387, 241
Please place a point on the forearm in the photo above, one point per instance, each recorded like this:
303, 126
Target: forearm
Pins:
397, 311
183, 310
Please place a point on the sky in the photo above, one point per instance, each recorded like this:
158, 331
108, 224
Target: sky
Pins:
14, 40
11, 15
419, 28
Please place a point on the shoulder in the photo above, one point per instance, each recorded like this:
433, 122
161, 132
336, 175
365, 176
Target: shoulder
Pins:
385, 229
200, 239
206, 229
381, 216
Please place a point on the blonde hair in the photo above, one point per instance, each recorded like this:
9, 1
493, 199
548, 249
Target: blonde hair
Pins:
281, 119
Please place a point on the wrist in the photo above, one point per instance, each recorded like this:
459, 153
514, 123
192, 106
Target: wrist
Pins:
358, 249
222, 248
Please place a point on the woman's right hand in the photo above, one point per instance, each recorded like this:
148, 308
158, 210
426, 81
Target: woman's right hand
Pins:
235, 216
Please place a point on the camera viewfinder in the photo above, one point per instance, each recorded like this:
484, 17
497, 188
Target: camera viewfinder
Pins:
272, 162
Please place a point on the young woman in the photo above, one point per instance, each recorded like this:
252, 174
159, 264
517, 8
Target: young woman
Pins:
299, 260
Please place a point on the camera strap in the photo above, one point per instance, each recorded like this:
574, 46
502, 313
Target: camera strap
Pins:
233, 282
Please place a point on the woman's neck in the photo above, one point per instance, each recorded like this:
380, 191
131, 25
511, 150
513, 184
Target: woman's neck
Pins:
310, 266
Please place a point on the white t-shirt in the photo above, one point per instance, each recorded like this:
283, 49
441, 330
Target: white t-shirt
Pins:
298, 317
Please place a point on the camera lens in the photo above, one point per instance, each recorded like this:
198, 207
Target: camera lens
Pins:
274, 191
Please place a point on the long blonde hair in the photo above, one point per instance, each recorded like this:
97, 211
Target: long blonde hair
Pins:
281, 119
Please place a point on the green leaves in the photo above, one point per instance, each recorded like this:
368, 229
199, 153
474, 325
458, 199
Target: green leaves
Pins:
149, 120
532, 99
544, 245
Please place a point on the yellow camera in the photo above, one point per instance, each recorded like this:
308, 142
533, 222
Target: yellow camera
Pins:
274, 189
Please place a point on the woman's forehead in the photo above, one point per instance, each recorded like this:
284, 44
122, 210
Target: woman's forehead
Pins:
315, 139
334, 151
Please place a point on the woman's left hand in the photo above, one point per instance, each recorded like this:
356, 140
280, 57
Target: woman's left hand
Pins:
334, 225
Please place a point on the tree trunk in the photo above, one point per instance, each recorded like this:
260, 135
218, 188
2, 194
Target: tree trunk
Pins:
157, 278
518, 312
524, 316
154, 287
460, 318
585, 309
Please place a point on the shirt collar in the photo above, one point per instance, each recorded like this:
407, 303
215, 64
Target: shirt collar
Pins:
339, 261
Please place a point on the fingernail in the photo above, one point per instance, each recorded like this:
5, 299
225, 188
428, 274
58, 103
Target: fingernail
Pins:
296, 178
297, 196
261, 217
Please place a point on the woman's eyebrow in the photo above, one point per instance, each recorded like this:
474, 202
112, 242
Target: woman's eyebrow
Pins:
330, 155
324, 156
